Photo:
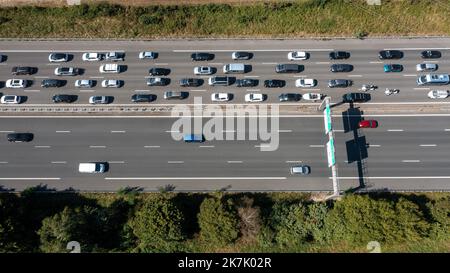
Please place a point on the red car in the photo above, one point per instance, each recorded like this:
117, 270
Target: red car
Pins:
368, 123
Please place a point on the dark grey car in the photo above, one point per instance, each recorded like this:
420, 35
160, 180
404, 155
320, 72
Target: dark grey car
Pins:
336, 83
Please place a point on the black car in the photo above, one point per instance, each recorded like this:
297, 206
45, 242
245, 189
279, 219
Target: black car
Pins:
390, 54
341, 68
53, 83
288, 68
23, 70
289, 97
143, 98
339, 55
246, 82
157, 81
430, 54
157, 71
191, 82
356, 97
339, 83
20, 137
202, 56
274, 83
64, 98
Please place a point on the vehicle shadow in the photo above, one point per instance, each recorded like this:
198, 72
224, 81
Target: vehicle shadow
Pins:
248, 68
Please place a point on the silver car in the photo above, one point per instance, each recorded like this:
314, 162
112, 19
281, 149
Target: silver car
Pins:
99, 100
426, 67
84, 83
301, 169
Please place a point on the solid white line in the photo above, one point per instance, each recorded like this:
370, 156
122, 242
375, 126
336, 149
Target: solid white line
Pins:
228, 131
42, 146
70, 51
397, 177
194, 178
118, 132
428, 145
417, 48
97, 146
232, 162
257, 50
411, 161
152, 146
175, 162
59, 162
316, 146
30, 178
207, 146
62, 131
395, 130
117, 162
262, 146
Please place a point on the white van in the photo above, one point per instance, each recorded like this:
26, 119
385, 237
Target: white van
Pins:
92, 167
234, 68
109, 68
433, 79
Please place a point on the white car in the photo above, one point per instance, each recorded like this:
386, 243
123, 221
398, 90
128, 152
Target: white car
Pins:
220, 96
66, 71
98, 100
111, 83
426, 67
254, 97
438, 94
307, 83
10, 99
147, 55
312, 96
109, 68
16, 83
203, 70
297, 55
84, 83
92, 57
58, 57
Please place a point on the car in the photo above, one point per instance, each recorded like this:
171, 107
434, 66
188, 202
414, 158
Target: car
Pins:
288, 68
191, 82
433, 79
341, 68
356, 97
58, 57
301, 169
115, 56
254, 97
289, 97
313, 96
169, 95
393, 68
92, 57
84, 83
158, 71
426, 67
16, 83
46, 83
339, 83
203, 70
64, 98
339, 55
93, 167
194, 138
247, 82
274, 83
99, 100
23, 70
148, 55
112, 83
66, 71
241, 55
297, 55
110, 68
430, 54
305, 83
438, 94
390, 54
370, 123
143, 98
202, 56
221, 96
11, 99
158, 81
20, 137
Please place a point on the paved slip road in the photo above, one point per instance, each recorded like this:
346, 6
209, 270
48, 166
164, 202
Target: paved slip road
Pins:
267, 53
405, 153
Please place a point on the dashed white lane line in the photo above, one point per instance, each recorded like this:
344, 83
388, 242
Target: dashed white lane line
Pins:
96, 77
421, 88
310, 89
359, 76
269, 63
30, 178
175, 162
242, 49
374, 145
338, 131
149, 146
447, 130
117, 162
171, 131
409, 75
41, 77
42, 146
377, 62
63, 132
317, 146
161, 63
32, 90
322, 62
251, 76
118, 132
234, 162
294, 161
207, 146
253, 90
87, 90
141, 90
197, 90
284, 131
6, 131
93, 146
410, 161
428, 145
52, 64
395, 130
3, 162
59, 162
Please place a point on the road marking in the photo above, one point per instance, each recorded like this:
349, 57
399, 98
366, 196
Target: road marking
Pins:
409, 75
395, 130
338, 131
376, 62
97, 77
172, 131
294, 161
253, 90
311, 89
251, 76
152, 146
228, 131
374, 145
215, 63
141, 90
161, 63
87, 90
257, 50
316, 146
284, 131
300, 76
207, 146
322, 62
415, 48
447, 130
116, 162
396, 177
175, 162
41, 77
262, 146
421, 88
51, 63
118, 132
428, 145
410, 161
6, 131
32, 90
30, 178
354, 75
197, 90
59, 162
234, 162
46, 50
42, 146
269, 63
62, 131
92, 146
193, 178
3, 162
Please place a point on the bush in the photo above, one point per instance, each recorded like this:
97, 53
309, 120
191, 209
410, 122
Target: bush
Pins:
148, 19
440, 212
289, 223
11, 226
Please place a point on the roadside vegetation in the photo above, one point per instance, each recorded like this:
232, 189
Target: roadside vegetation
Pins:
39, 220
303, 18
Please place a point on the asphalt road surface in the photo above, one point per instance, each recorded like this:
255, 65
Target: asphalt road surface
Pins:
404, 153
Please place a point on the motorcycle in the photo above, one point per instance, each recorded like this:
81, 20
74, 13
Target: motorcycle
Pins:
389, 92
368, 87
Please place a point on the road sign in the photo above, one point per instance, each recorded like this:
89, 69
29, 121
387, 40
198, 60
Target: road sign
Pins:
327, 118
330, 153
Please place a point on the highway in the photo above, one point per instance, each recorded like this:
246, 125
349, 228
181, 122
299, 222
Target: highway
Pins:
267, 53
405, 153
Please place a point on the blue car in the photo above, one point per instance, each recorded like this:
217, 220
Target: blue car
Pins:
193, 138
393, 68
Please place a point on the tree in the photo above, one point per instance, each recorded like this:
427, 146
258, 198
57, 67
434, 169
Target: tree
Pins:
289, 223
440, 212
158, 226
250, 219
10, 224
218, 221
